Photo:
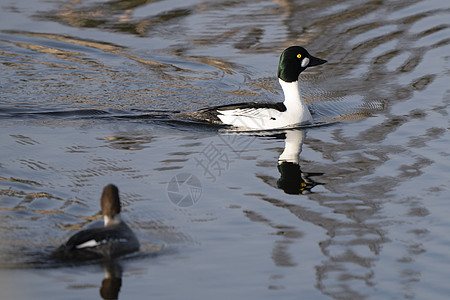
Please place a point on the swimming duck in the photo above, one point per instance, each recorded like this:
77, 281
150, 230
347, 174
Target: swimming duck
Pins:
265, 115
110, 241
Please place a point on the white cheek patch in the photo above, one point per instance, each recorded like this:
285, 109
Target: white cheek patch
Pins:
305, 62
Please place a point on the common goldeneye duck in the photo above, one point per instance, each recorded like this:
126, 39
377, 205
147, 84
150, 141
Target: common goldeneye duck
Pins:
110, 241
260, 115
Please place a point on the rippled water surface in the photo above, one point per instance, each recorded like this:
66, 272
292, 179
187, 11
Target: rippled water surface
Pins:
356, 209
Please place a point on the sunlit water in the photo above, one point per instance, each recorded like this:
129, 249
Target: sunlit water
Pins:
356, 209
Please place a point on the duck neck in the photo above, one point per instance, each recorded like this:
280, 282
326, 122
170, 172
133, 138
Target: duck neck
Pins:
293, 100
112, 220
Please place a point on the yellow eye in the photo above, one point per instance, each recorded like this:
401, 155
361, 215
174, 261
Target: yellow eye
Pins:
299, 56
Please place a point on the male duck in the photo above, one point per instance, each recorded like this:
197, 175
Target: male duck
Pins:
265, 115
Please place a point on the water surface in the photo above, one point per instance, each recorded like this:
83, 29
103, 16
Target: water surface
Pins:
357, 209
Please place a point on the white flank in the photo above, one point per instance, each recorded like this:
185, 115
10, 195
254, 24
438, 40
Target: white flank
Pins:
255, 118
88, 244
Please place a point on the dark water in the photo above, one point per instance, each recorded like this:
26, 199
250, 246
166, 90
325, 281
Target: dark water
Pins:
357, 209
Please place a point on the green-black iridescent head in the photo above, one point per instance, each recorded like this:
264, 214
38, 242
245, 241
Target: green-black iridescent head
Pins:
295, 60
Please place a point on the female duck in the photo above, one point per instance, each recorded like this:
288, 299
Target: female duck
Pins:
108, 242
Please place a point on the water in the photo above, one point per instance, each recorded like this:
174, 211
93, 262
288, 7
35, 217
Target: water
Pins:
358, 210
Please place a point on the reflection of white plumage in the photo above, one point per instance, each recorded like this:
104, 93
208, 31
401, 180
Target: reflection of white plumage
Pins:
260, 115
293, 146
292, 179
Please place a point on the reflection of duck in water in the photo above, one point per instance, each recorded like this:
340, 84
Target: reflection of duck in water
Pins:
112, 282
110, 241
262, 115
292, 179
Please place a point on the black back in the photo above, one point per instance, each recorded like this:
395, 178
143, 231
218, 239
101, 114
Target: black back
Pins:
115, 240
